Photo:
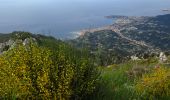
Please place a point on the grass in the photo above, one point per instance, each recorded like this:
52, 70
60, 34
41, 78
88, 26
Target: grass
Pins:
115, 82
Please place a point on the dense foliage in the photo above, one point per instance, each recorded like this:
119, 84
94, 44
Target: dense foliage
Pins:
155, 85
36, 72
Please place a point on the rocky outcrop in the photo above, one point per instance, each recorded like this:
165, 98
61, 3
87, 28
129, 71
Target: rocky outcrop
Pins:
162, 57
6, 45
11, 43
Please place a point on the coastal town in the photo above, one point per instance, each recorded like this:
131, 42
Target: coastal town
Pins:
121, 23
138, 33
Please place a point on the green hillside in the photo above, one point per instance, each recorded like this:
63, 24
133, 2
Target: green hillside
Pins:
140, 36
45, 68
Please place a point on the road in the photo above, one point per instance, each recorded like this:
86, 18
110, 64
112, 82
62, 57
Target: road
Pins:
116, 30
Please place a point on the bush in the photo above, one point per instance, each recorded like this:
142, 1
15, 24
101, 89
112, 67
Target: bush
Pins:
33, 72
27, 68
137, 72
155, 85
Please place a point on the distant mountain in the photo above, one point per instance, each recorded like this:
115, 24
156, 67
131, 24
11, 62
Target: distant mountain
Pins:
129, 36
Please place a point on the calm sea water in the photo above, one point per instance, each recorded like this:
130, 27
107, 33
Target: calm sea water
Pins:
62, 18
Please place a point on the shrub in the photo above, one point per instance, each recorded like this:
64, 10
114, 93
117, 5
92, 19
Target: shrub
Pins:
155, 85
27, 68
137, 72
33, 72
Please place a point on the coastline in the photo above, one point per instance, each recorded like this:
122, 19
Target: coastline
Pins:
119, 23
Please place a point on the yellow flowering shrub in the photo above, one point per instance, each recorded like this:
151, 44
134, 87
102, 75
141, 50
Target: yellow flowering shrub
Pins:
34, 72
155, 84
25, 71
10, 77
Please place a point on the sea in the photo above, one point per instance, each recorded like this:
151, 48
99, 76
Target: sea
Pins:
63, 19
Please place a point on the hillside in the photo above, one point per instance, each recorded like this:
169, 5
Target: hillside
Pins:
155, 31
7, 40
40, 67
128, 36
4, 37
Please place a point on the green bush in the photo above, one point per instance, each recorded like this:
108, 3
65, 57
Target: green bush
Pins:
33, 72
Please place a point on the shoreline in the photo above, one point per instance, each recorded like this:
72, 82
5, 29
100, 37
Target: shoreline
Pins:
119, 23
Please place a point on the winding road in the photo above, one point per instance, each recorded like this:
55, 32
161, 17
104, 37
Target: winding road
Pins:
116, 30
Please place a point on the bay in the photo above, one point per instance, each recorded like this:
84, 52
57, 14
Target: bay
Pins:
63, 18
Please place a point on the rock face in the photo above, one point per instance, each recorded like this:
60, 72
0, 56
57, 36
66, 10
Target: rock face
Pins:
1, 47
5, 46
28, 40
134, 58
11, 43
162, 57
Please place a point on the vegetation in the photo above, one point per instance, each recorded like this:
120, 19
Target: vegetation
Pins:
134, 80
37, 72
4, 37
155, 85
107, 47
153, 31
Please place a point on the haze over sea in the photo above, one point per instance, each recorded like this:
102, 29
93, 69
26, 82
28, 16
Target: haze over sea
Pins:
61, 18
